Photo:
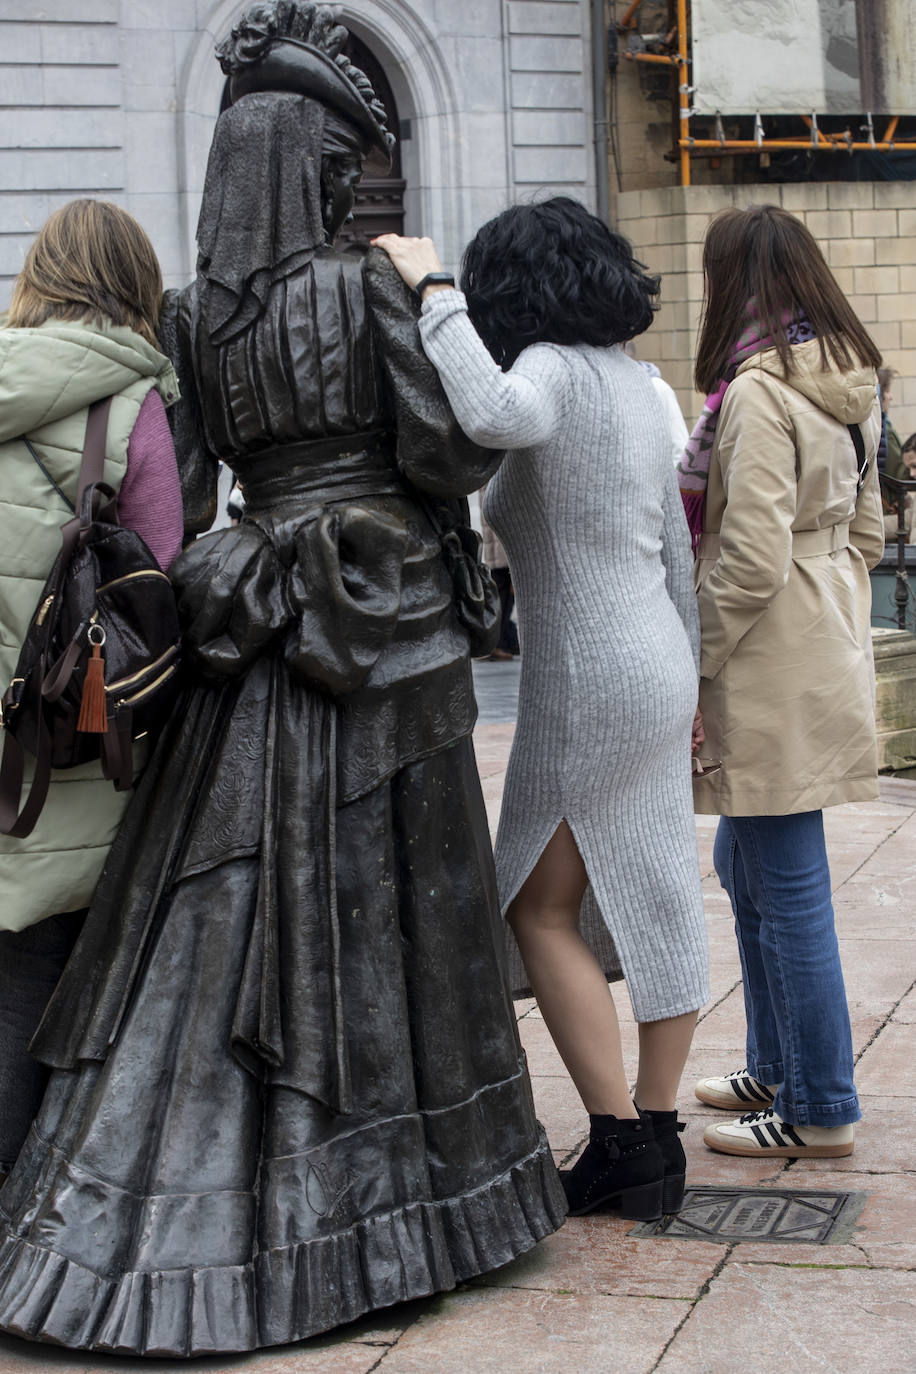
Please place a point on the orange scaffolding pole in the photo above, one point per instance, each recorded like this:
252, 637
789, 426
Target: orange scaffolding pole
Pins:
806, 119
821, 142
627, 22
682, 91
766, 144
652, 57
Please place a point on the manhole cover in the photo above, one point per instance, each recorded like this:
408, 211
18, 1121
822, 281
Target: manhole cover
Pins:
777, 1214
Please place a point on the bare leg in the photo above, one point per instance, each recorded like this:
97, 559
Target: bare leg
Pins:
570, 988
663, 1050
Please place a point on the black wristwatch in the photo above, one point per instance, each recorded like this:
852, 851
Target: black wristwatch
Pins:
442, 278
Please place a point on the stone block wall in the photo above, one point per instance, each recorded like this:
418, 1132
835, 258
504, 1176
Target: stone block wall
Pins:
89, 98
547, 61
117, 99
867, 231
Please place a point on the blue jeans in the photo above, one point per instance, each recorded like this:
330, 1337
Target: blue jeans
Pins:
774, 869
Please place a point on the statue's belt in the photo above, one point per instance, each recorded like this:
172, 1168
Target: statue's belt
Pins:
337, 469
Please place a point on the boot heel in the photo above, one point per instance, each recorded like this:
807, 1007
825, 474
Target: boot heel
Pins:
673, 1194
644, 1203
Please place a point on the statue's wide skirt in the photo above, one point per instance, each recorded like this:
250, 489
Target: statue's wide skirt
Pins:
270, 1118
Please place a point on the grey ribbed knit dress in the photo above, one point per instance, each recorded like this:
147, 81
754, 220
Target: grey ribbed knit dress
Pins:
587, 506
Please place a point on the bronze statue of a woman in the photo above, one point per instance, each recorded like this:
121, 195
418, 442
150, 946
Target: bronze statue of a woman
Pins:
288, 1085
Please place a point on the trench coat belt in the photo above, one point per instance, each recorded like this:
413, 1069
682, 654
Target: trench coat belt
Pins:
805, 543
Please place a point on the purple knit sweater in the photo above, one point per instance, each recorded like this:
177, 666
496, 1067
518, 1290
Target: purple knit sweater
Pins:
150, 497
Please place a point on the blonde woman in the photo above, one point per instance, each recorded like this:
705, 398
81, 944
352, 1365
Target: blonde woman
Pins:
81, 327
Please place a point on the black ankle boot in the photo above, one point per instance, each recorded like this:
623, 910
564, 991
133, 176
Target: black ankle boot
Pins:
667, 1129
621, 1167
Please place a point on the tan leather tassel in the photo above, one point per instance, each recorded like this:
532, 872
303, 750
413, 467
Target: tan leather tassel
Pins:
93, 718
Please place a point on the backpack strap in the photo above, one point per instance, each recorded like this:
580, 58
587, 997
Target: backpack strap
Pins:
92, 465
13, 821
41, 685
116, 747
861, 456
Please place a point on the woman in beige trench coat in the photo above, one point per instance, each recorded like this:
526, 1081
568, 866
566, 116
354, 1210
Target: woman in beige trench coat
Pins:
790, 527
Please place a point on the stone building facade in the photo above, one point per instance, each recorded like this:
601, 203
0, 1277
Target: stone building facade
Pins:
118, 99
866, 229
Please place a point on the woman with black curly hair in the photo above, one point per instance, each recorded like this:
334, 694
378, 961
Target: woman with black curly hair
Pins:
598, 791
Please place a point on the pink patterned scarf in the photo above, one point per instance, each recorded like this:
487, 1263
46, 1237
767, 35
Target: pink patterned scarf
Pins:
693, 468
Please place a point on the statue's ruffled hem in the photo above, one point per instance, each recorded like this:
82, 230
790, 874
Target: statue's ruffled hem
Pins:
282, 1295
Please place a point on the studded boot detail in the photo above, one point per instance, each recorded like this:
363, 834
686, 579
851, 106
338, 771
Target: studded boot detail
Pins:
621, 1169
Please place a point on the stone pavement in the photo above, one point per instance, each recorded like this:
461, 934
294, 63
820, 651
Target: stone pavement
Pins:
594, 1300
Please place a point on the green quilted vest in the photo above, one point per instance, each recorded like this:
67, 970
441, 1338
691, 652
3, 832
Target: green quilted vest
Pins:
48, 378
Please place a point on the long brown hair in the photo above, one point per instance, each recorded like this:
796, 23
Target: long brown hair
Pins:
766, 256
89, 261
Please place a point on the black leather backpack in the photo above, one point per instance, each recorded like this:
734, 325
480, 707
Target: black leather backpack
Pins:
98, 666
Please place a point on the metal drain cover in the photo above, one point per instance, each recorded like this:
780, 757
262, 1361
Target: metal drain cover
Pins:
776, 1214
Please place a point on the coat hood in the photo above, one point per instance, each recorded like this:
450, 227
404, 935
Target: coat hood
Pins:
848, 396
51, 372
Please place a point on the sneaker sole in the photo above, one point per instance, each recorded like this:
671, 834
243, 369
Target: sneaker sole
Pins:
729, 1102
727, 1146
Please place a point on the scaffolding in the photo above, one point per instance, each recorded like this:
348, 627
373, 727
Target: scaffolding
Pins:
815, 140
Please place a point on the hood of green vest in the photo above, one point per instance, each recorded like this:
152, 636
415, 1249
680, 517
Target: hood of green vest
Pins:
60, 368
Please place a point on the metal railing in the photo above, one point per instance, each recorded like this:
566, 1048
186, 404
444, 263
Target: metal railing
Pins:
895, 491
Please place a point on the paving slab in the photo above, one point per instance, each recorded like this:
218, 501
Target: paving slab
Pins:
543, 1057
878, 909
905, 1012
886, 1067
836, 1320
599, 1255
494, 1331
560, 1109
722, 1027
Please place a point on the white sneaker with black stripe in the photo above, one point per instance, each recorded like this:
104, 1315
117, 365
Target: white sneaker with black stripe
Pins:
736, 1091
764, 1133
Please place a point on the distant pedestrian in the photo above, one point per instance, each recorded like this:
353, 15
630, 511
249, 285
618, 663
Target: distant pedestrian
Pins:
890, 444
598, 788
787, 681
907, 474
674, 416
235, 505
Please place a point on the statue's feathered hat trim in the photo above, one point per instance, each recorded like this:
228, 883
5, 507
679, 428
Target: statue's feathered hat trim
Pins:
282, 45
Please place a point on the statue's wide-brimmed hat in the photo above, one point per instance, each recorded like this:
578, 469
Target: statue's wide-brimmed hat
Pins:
263, 55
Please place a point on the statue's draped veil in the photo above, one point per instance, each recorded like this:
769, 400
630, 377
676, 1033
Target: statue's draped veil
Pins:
255, 229
294, 98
